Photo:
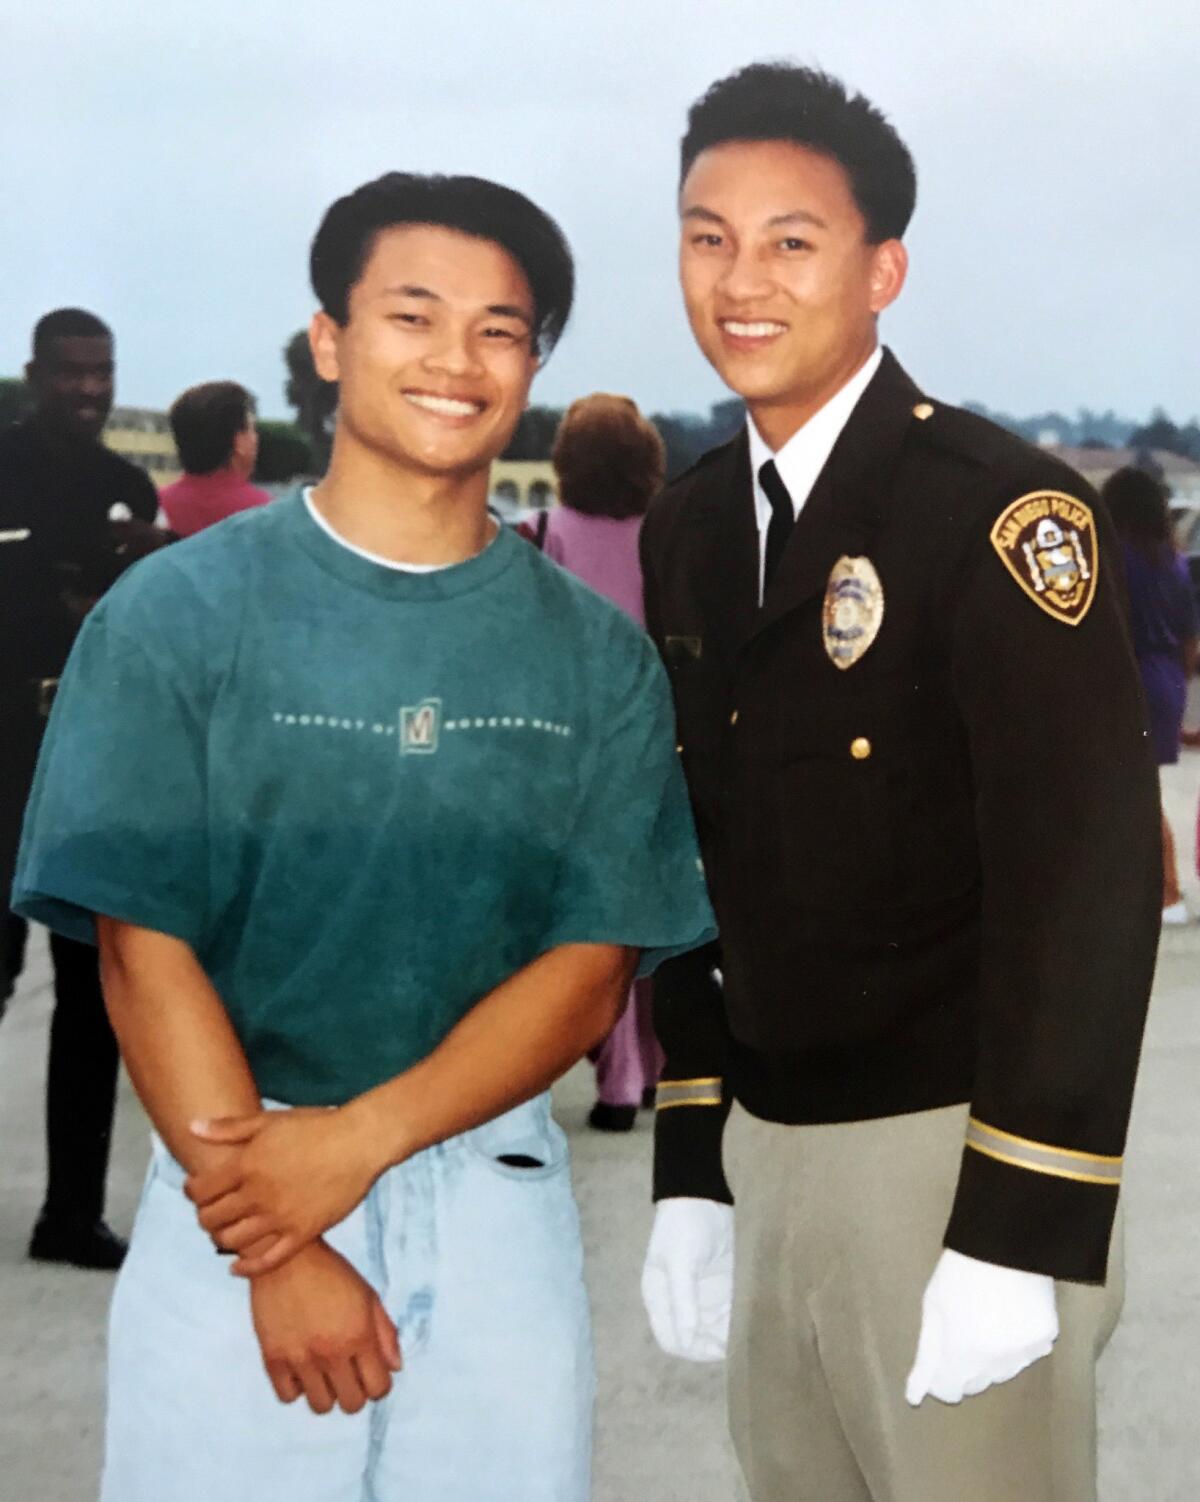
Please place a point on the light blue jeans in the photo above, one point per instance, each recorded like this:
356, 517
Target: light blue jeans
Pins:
481, 1267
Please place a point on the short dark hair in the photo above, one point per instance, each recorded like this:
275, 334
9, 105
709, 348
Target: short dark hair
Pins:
67, 323
205, 420
1137, 502
784, 102
610, 460
471, 205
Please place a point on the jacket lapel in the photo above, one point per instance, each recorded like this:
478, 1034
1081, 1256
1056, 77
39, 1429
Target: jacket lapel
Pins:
846, 506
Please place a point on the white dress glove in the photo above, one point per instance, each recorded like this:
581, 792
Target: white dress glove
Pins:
687, 1282
980, 1324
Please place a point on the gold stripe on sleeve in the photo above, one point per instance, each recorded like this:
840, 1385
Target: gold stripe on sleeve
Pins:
1041, 1157
706, 1092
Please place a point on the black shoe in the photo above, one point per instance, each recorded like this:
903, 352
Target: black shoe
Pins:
82, 1245
649, 1097
606, 1118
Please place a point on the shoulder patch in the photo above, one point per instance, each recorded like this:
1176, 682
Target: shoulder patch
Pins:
1047, 541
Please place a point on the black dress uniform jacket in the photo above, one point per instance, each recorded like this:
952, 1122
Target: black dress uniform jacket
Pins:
936, 871
56, 554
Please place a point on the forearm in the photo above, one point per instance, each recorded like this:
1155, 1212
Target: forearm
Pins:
515, 1043
692, 1103
178, 1044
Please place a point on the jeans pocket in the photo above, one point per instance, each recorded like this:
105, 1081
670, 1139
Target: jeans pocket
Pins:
164, 1166
525, 1144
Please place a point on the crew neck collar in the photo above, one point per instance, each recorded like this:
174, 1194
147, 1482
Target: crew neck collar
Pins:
361, 571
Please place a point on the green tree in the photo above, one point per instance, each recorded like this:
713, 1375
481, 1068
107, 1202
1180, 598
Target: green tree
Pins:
314, 400
14, 399
1161, 433
284, 453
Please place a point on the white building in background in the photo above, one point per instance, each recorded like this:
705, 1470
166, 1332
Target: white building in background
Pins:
144, 437
521, 485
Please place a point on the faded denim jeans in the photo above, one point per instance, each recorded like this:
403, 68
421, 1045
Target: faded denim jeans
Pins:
480, 1265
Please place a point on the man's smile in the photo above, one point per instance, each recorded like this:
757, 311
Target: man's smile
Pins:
453, 407
744, 333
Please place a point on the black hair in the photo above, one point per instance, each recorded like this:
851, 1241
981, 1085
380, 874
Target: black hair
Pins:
67, 323
1137, 503
471, 205
786, 102
205, 420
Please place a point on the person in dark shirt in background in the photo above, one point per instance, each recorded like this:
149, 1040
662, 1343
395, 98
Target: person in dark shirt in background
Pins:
59, 551
217, 439
1163, 624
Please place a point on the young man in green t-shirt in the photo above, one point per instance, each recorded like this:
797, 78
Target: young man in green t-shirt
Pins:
351, 851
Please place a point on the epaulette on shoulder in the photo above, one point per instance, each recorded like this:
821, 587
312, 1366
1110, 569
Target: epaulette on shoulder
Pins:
972, 437
986, 445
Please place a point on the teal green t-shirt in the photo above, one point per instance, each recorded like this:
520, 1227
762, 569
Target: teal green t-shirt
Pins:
364, 796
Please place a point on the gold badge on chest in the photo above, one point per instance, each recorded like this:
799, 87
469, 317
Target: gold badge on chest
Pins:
853, 610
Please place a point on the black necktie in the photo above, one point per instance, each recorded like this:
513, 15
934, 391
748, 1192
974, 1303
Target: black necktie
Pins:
783, 519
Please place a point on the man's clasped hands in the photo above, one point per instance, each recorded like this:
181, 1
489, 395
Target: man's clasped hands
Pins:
286, 1177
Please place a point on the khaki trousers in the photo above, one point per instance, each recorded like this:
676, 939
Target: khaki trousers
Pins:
837, 1231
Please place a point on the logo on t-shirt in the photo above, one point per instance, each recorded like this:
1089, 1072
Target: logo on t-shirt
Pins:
420, 725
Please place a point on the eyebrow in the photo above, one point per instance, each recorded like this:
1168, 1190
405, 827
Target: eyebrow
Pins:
508, 310
797, 216
496, 310
407, 289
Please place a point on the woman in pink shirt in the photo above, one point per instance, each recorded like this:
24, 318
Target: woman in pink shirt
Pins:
610, 462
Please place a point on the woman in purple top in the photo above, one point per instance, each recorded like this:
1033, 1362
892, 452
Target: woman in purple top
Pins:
610, 462
1163, 623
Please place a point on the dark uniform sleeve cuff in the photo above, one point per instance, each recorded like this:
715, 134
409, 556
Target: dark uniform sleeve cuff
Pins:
687, 1145
1032, 1219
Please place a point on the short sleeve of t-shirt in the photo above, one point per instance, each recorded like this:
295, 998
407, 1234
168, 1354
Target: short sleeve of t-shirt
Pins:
631, 871
115, 821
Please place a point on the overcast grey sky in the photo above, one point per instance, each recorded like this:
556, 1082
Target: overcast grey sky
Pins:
166, 166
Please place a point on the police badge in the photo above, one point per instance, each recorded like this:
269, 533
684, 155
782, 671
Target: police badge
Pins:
853, 610
1048, 543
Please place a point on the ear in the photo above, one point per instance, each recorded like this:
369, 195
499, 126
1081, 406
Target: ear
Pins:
245, 446
323, 341
889, 267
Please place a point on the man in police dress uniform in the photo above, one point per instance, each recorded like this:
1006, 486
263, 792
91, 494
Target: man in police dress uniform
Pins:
910, 721
73, 515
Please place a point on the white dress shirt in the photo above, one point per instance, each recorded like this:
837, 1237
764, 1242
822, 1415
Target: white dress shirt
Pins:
804, 455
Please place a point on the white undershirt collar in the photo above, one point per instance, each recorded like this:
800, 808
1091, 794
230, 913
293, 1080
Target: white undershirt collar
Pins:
404, 568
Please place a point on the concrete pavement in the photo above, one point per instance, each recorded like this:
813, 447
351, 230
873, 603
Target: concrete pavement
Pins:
660, 1423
